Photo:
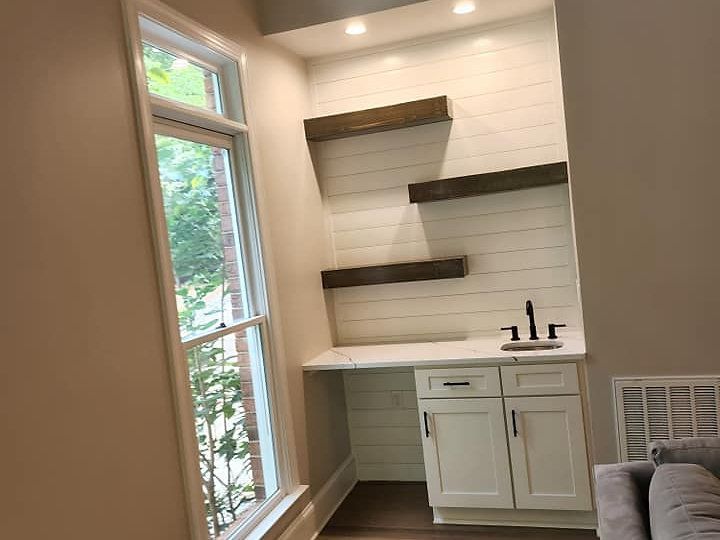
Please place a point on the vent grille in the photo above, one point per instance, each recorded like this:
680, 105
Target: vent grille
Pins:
672, 408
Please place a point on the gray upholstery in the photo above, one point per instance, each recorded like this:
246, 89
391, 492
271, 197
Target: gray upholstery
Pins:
622, 500
684, 503
685, 499
704, 451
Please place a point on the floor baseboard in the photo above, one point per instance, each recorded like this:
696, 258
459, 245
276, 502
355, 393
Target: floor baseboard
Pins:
317, 513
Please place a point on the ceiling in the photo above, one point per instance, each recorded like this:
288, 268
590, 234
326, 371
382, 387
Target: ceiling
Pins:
283, 15
408, 22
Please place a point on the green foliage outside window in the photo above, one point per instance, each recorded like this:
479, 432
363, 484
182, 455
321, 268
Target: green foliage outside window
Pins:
174, 78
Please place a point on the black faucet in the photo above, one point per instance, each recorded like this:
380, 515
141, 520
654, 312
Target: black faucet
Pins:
530, 311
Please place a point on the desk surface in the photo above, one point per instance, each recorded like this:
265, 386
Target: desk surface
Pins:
471, 351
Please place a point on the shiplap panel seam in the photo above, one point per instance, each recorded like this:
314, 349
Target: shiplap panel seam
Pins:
416, 232
495, 203
560, 228
445, 160
450, 323
319, 81
457, 122
437, 301
555, 275
451, 218
503, 28
436, 297
460, 98
464, 312
541, 131
367, 303
465, 88
411, 146
355, 83
375, 182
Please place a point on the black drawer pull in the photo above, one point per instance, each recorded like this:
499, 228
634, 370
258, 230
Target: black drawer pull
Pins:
514, 423
465, 383
427, 427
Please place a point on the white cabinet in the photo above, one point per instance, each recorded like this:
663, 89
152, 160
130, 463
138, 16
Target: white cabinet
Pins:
469, 443
465, 450
548, 454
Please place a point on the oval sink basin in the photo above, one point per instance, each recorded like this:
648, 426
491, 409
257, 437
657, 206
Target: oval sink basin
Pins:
540, 345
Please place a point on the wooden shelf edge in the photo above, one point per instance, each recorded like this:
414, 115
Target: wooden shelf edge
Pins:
494, 182
398, 116
454, 267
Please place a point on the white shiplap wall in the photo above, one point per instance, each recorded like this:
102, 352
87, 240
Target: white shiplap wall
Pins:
384, 424
504, 83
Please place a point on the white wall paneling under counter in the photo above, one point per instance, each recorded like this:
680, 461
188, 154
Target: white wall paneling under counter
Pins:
503, 81
383, 422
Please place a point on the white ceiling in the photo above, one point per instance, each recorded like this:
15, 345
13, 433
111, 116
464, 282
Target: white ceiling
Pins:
401, 24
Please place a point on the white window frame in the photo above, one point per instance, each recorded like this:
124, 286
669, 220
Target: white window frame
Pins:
150, 108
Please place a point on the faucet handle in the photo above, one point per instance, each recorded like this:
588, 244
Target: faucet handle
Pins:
551, 330
515, 333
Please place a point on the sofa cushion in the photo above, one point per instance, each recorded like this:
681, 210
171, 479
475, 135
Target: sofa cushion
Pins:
684, 503
703, 451
622, 502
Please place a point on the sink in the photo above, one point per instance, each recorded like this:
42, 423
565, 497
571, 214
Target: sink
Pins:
540, 345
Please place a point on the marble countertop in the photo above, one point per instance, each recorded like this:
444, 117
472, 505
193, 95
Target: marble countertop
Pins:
471, 351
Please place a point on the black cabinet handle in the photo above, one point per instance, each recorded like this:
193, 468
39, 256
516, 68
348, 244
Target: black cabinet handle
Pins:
514, 421
464, 383
427, 428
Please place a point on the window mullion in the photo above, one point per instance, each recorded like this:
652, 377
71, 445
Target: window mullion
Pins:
225, 330
194, 116
178, 130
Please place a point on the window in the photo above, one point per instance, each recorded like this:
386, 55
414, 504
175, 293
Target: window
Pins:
174, 77
202, 192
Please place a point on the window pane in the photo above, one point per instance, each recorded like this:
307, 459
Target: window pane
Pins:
199, 205
233, 429
173, 77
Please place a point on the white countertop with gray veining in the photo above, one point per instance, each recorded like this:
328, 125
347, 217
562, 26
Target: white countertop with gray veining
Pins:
471, 351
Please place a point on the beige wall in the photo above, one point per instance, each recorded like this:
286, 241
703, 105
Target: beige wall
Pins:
641, 89
89, 443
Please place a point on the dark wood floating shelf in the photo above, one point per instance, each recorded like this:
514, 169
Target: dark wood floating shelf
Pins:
455, 267
402, 115
480, 184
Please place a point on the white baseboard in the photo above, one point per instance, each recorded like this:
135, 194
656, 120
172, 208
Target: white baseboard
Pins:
560, 519
326, 501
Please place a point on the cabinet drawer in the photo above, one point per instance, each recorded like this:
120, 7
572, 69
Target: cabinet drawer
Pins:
457, 382
540, 380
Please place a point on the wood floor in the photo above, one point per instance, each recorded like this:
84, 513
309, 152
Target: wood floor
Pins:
400, 511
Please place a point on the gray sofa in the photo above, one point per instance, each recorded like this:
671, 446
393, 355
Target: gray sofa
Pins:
675, 495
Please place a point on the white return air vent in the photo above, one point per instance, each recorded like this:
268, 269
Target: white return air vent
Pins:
650, 409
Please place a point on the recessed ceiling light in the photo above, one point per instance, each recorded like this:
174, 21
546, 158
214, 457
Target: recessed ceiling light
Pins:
463, 8
355, 29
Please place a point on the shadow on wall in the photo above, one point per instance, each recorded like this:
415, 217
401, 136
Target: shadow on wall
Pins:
326, 414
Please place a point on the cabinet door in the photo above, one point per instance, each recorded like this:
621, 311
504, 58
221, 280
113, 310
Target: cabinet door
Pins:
465, 450
548, 453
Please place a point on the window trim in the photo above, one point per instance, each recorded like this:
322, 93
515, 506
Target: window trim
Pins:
148, 107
